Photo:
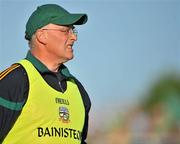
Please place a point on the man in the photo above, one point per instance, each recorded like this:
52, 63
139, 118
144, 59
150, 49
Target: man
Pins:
40, 101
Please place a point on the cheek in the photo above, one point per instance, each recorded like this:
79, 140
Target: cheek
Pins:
58, 44
60, 41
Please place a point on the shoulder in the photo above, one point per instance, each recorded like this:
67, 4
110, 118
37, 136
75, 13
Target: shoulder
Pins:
13, 73
13, 87
13, 79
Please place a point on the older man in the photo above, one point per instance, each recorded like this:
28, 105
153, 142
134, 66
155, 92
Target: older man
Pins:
40, 101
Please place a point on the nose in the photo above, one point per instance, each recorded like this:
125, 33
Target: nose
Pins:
73, 36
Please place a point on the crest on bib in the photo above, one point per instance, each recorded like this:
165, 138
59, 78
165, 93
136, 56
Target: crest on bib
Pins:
64, 114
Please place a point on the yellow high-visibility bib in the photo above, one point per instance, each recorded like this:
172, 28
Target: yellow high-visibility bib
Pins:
49, 116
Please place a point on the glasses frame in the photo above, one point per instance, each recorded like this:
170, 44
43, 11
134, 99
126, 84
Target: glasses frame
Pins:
70, 30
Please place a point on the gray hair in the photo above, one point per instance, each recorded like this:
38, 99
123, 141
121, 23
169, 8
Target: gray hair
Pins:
31, 43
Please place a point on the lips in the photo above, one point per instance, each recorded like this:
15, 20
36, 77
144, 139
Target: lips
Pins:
70, 45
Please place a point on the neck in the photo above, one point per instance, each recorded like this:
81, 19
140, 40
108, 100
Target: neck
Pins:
52, 64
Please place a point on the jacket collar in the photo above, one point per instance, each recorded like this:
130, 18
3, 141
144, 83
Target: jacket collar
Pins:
43, 69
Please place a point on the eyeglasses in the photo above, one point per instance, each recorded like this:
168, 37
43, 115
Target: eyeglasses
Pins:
70, 30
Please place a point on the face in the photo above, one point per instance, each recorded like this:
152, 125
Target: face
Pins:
60, 40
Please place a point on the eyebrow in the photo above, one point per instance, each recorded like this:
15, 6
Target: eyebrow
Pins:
69, 26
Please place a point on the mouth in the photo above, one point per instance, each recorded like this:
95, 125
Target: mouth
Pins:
70, 46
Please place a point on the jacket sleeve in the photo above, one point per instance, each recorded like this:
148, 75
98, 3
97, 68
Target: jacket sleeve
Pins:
13, 94
87, 105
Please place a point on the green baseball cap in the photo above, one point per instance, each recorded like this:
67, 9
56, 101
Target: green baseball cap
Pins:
52, 13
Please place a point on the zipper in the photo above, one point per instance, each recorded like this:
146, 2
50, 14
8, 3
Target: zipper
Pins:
61, 86
59, 82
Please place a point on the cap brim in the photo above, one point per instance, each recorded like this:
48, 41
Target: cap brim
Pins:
71, 19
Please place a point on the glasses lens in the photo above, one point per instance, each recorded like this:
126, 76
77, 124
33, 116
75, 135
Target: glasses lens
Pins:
75, 32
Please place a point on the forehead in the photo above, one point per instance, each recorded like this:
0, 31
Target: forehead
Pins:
49, 26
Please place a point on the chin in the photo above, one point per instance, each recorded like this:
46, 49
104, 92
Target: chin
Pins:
69, 58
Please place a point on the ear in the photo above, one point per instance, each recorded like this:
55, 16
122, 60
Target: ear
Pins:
41, 36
